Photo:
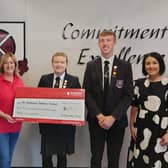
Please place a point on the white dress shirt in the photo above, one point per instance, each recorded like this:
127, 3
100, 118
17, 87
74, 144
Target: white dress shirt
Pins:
61, 79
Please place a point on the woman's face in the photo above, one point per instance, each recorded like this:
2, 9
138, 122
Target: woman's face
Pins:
9, 66
152, 66
59, 64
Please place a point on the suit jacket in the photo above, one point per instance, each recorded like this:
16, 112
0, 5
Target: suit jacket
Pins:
64, 131
119, 94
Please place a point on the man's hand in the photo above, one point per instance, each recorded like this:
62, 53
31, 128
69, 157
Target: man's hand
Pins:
108, 122
100, 118
105, 121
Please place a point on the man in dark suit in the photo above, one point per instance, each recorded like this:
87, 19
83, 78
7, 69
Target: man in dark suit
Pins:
108, 84
57, 139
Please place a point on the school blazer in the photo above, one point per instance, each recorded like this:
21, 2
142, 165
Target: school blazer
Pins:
119, 94
56, 129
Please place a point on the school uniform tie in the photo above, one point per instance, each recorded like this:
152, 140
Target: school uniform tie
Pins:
57, 82
106, 79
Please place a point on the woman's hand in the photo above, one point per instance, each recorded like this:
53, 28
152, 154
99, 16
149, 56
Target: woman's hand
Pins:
133, 132
9, 118
133, 114
164, 139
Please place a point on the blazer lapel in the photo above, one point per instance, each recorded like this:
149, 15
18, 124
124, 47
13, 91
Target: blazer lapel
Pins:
67, 81
99, 71
50, 80
115, 71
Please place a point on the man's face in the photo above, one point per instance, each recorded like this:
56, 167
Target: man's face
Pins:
59, 64
106, 45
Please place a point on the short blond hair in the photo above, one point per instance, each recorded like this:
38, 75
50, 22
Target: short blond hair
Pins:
108, 33
60, 54
3, 60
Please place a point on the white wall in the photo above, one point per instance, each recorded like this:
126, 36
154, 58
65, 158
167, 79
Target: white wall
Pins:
45, 22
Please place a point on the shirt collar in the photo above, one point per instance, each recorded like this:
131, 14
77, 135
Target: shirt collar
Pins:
2, 77
61, 76
111, 59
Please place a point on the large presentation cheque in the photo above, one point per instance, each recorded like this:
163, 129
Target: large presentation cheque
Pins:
50, 105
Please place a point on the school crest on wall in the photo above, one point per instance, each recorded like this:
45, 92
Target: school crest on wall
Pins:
12, 39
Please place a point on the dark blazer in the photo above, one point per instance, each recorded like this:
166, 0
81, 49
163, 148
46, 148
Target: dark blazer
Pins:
56, 129
119, 94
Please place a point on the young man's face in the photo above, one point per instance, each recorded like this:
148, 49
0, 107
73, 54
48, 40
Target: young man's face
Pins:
106, 45
59, 64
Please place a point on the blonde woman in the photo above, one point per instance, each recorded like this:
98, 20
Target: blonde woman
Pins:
9, 128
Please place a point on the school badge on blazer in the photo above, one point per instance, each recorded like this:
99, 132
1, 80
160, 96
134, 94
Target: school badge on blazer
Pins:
119, 84
65, 83
114, 71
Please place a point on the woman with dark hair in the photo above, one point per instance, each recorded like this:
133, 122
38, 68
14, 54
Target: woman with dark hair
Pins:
149, 116
9, 128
